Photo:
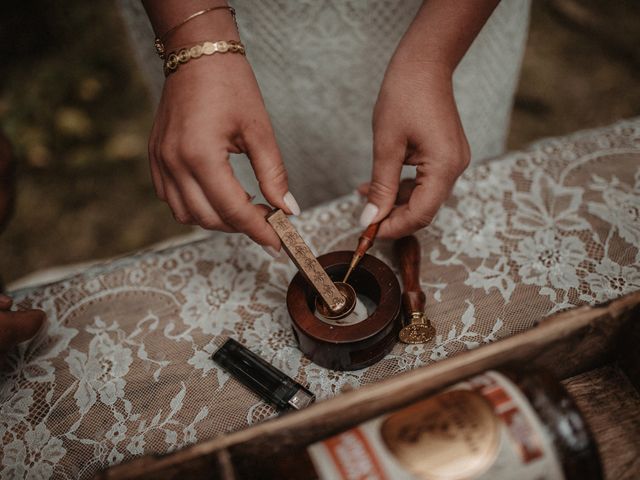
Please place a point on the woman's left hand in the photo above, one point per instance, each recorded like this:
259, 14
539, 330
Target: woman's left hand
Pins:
415, 122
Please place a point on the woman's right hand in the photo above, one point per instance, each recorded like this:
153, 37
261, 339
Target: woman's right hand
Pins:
211, 107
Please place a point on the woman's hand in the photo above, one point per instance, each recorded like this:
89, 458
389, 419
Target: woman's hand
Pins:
209, 108
16, 327
415, 122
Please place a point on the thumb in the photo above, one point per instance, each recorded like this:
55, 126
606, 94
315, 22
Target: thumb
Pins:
388, 157
16, 327
271, 174
5, 302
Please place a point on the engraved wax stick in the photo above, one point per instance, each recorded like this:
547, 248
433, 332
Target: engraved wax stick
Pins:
306, 262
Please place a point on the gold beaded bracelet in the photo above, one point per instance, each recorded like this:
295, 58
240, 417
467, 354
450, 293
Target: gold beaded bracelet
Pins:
174, 59
161, 39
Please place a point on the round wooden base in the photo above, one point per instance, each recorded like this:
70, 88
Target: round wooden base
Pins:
348, 347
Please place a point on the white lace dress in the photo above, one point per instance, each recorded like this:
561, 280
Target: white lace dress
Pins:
320, 65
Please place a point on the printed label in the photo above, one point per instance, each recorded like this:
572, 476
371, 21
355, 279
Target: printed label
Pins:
483, 428
354, 457
430, 437
522, 432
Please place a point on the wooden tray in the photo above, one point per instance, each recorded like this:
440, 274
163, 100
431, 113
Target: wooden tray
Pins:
595, 350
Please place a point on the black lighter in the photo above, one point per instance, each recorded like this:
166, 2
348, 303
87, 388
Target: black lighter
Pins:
267, 381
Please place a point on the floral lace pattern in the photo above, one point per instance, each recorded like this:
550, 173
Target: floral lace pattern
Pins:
124, 369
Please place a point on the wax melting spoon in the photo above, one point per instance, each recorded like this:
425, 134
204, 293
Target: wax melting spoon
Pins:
364, 243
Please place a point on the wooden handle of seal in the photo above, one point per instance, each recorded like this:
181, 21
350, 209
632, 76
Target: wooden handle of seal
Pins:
407, 250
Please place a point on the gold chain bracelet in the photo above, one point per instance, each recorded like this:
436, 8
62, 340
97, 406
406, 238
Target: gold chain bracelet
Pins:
161, 39
174, 59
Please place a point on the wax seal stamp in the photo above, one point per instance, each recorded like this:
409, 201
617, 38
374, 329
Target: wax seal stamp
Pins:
418, 328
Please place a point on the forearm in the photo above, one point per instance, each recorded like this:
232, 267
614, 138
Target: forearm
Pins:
166, 14
443, 30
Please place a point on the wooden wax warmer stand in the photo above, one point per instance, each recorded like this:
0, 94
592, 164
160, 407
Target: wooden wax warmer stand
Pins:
358, 345
348, 347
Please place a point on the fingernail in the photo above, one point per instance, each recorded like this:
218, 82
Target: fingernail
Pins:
272, 251
291, 203
368, 214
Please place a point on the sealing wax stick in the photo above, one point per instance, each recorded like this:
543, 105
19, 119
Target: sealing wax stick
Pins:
308, 266
364, 243
418, 328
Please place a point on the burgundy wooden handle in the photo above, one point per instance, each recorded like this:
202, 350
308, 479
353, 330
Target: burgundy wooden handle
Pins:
407, 250
371, 232
367, 238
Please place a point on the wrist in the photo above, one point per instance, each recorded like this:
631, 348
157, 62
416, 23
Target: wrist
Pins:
420, 72
413, 49
210, 69
211, 26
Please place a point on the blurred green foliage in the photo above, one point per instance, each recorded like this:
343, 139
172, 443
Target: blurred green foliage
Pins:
70, 93
76, 111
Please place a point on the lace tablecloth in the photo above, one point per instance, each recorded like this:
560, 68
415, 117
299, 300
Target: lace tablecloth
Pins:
124, 367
